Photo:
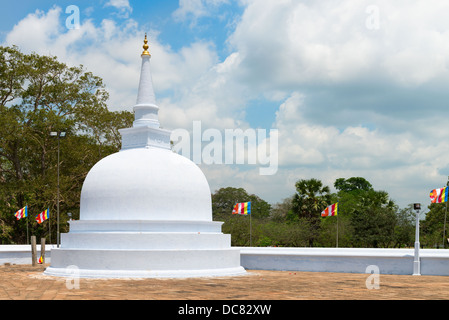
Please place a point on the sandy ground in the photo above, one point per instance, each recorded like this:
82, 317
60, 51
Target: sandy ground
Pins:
25, 282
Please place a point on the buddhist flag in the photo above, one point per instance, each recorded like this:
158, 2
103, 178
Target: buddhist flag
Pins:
41, 217
439, 195
22, 213
330, 211
242, 208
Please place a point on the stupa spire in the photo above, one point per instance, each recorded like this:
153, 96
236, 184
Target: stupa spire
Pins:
146, 131
145, 47
146, 109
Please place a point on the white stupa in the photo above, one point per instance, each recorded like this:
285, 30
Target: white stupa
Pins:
145, 211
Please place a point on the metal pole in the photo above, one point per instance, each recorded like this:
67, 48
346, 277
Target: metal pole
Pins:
444, 228
416, 261
28, 239
337, 230
57, 204
250, 229
445, 214
49, 229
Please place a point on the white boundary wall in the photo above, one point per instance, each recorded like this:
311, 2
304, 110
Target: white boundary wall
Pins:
348, 260
21, 254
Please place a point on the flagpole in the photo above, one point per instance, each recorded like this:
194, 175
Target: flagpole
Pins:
445, 214
337, 230
28, 242
49, 229
250, 229
444, 228
244, 208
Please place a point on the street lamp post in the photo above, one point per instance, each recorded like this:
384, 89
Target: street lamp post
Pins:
59, 135
416, 261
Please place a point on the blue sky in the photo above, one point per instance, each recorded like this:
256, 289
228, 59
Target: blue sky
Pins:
154, 14
354, 88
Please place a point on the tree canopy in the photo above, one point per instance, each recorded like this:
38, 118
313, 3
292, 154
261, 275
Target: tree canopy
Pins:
366, 217
352, 184
39, 95
224, 199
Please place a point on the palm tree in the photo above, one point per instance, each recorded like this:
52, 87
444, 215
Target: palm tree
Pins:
310, 199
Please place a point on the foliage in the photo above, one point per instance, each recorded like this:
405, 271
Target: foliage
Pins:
281, 210
310, 199
224, 200
352, 184
433, 226
404, 231
367, 217
38, 95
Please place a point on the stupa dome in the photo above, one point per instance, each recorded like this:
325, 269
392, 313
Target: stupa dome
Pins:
146, 184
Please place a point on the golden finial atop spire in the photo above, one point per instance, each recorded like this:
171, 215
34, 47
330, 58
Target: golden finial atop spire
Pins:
145, 47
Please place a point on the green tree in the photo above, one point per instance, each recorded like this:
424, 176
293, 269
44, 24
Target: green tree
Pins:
352, 184
372, 214
310, 199
281, 210
38, 95
432, 227
283, 234
224, 200
328, 231
404, 230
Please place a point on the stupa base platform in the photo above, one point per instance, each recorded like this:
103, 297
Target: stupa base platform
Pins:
122, 274
155, 249
109, 263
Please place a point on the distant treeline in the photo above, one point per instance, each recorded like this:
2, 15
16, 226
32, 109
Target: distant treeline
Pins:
366, 218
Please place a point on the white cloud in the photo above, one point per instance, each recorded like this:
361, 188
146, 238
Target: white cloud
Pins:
118, 3
112, 51
107, 50
194, 9
325, 43
122, 5
38, 28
